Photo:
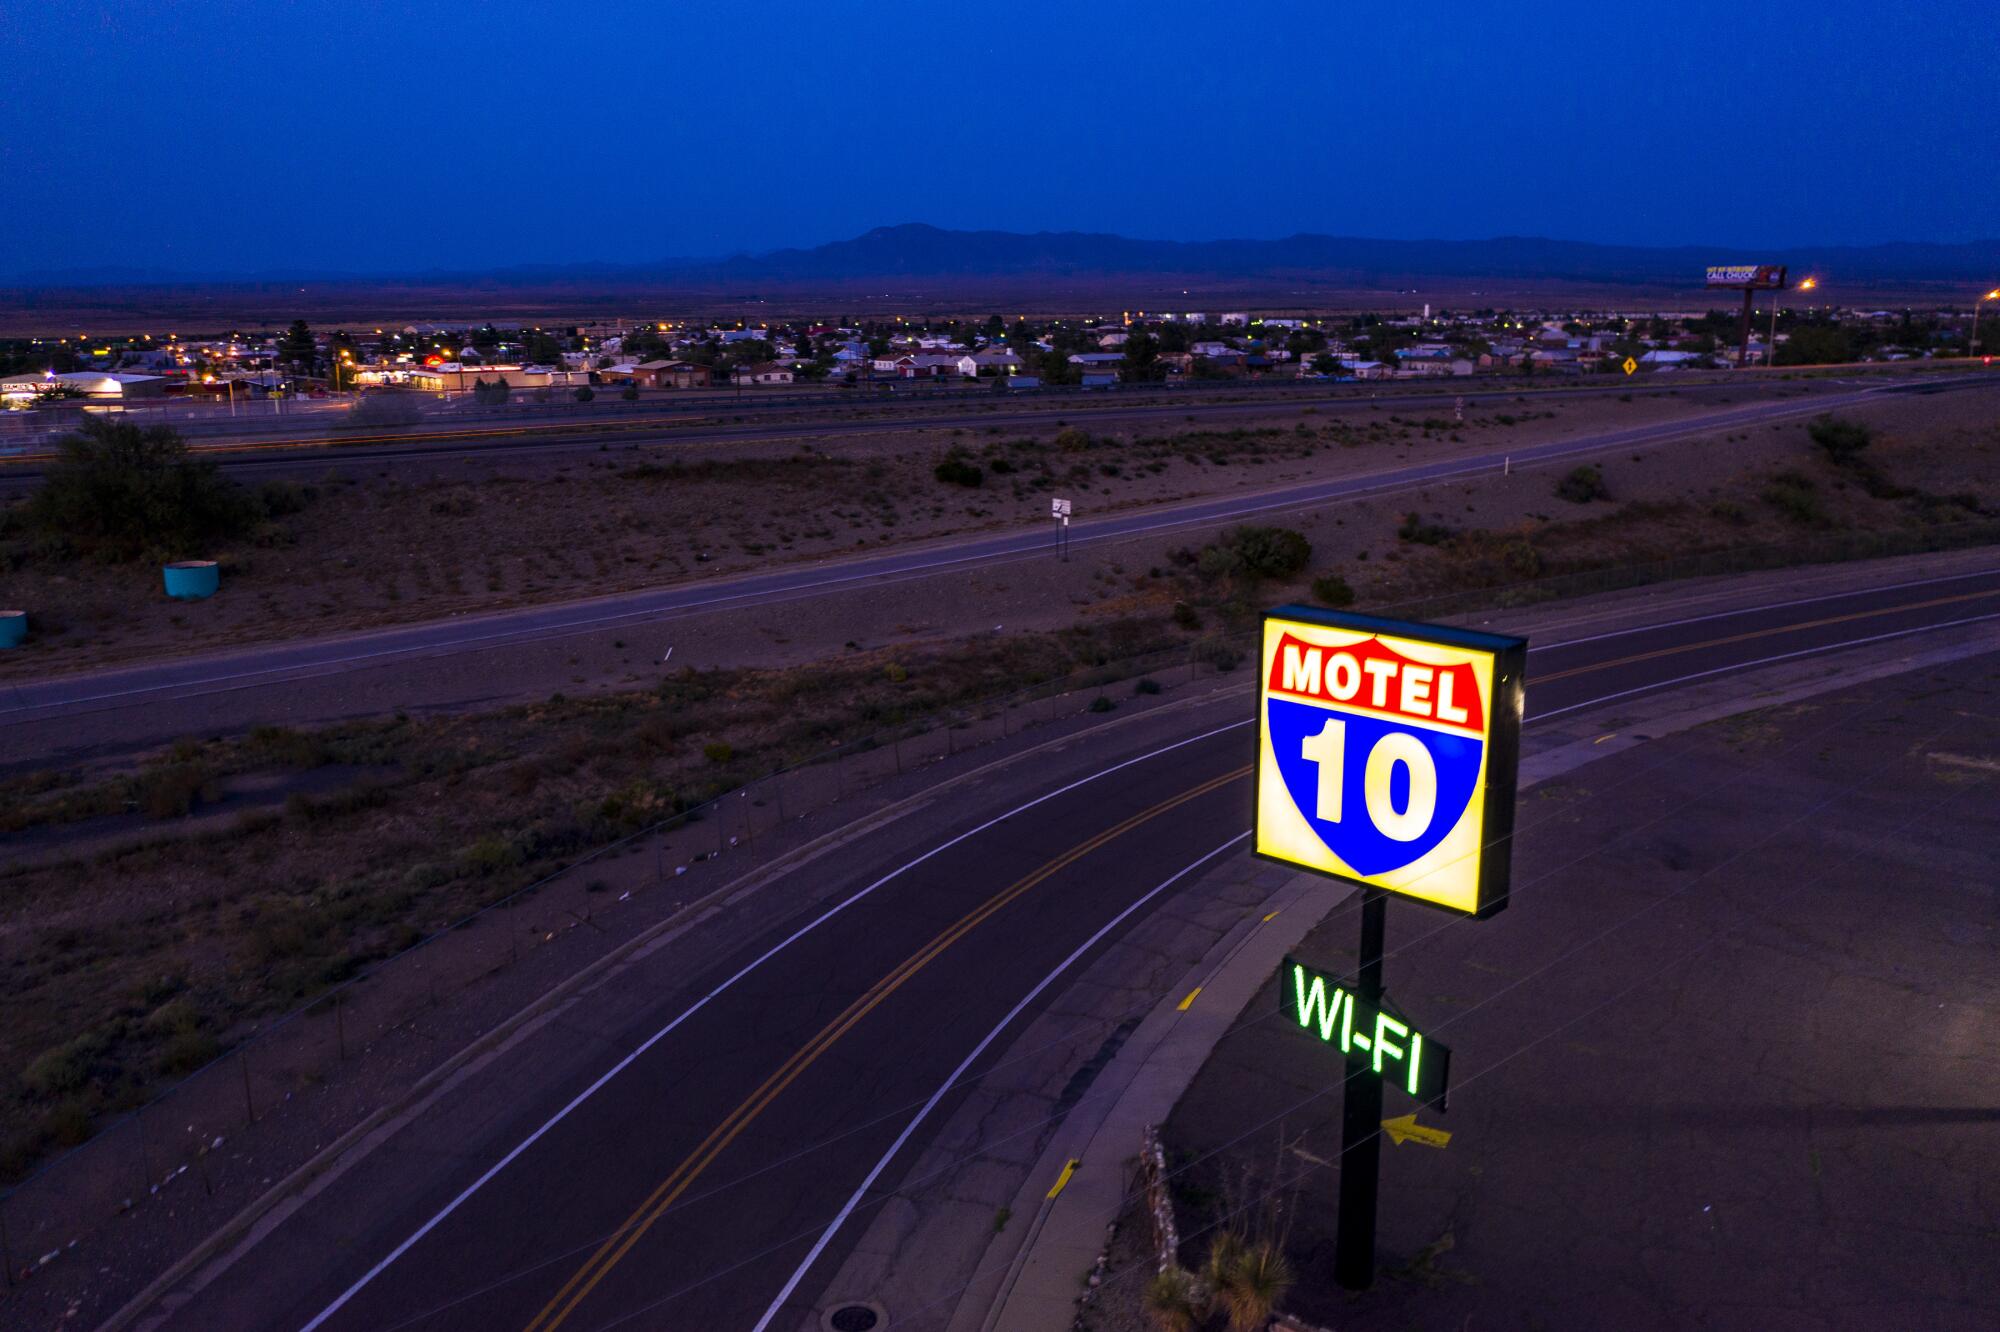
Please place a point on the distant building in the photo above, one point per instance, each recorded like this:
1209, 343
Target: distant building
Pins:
671, 375
764, 373
91, 383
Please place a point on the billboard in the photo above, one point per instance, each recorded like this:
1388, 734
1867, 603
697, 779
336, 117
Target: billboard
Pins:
1386, 754
1751, 277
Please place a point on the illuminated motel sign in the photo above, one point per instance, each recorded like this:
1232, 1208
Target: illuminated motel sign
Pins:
1386, 757
1386, 754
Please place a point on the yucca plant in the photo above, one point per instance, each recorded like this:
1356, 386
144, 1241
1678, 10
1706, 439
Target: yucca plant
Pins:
1250, 1282
1172, 1301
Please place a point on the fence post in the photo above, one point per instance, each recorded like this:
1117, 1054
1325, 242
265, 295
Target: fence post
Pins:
340, 1023
249, 1107
6, 1249
145, 1161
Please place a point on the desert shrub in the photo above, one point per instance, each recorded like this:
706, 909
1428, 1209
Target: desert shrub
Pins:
187, 1051
1259, 552
1146, 686
1415, 529
631, 393
490, 855
67, 1068
584, 394
717, 751
1186, 616
119, 491
1794, 495
1842, 440
1172, 1301
1249, 1281
1218, 653
1073, 440
1332, 590
1582, 485
282, 499
1101, 704
959, 471
1729, 511
385, 409
172, 791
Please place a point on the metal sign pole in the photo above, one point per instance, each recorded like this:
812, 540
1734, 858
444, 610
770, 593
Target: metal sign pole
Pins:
1361, 1118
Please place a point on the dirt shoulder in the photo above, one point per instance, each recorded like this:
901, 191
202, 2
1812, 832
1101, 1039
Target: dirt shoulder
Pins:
353, 550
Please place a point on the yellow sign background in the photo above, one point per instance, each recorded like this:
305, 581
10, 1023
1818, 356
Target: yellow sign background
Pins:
1447, 875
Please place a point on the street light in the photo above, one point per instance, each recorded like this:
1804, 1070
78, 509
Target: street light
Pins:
1771, 346
1994, 295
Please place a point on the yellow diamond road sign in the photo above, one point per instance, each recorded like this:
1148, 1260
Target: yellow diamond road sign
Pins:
1630, 365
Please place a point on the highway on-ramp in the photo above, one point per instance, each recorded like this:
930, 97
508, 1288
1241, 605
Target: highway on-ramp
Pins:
698, 1145
159, 701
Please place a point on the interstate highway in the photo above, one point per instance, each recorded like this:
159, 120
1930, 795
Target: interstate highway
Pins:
674, 1148
159, 701
502, 439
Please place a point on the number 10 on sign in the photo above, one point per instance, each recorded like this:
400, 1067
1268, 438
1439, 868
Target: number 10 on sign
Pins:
1386, 754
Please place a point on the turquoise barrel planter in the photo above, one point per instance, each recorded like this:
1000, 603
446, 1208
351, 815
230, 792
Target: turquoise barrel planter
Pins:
13, 628
192, 580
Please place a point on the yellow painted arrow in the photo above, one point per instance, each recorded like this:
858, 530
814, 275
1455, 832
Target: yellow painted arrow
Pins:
1405, 1128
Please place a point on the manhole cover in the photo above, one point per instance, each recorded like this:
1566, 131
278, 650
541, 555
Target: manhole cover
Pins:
854, 1318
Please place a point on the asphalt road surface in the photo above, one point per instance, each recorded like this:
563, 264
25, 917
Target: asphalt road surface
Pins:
490, 440
682, 1150
157, 702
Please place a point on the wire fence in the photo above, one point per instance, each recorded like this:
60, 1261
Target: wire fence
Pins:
170, 1142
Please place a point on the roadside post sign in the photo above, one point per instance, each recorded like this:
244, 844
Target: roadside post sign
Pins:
1630, 365
1386, 757
1059, 509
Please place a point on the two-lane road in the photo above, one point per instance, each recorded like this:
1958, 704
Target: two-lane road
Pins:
159, 701
698, 1145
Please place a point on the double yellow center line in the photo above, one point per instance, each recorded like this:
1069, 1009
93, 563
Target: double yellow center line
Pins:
683, 1175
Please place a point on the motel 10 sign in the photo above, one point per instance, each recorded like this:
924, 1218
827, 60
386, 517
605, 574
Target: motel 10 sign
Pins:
1386, 754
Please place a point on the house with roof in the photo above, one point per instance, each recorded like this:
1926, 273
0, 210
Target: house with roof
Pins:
671, 375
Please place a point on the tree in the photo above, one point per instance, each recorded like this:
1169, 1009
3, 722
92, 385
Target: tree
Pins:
544, 349
1842, 440
1815, 344
1142, 357
297, 348
119, 491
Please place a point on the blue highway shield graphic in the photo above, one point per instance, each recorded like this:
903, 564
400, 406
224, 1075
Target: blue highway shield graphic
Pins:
1358, 837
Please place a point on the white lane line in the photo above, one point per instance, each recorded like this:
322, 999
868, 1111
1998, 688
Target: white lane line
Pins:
1116, 530
701, 1003
1766, 661
1772, 606
854, 1200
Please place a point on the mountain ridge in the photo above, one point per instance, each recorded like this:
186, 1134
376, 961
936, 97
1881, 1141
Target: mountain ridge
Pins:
920, 250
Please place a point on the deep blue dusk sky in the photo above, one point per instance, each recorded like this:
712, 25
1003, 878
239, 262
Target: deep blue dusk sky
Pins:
378, 136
